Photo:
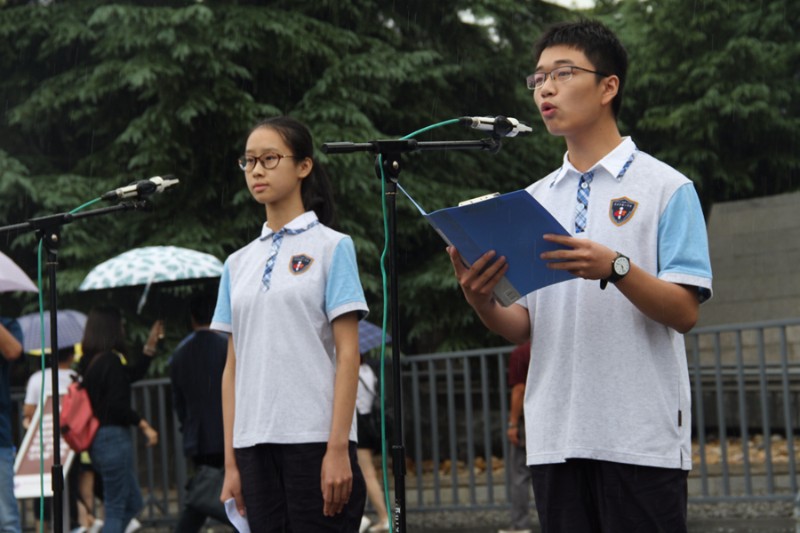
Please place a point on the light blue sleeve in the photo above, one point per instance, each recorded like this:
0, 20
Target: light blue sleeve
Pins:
683, 243
343, 293
222, 313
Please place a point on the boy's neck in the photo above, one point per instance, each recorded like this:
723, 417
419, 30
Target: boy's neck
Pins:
589, 147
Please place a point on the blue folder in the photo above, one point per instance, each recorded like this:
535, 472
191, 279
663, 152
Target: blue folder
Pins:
512, 225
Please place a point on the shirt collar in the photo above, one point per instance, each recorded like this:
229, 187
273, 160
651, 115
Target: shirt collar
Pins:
612, 163
299, 222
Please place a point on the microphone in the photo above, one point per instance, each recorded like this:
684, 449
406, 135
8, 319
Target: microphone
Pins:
140, 189
499, 125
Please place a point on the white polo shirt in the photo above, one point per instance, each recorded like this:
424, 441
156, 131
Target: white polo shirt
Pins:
606, 382
285, 357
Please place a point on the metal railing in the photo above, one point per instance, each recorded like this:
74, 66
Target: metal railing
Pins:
746, 404
745, 381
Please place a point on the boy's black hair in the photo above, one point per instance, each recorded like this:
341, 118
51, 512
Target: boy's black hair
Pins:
316, 190
65, 354
600, 45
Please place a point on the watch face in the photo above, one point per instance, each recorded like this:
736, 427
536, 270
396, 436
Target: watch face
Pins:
621, 266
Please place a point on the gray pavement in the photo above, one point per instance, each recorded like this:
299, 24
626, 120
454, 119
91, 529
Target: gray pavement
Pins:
755, 525
739, 517
706, 525
769, 525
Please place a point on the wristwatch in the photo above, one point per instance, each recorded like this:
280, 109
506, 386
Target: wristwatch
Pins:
620, 267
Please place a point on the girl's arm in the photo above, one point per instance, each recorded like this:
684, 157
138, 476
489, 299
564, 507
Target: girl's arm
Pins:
337, 472
232, 486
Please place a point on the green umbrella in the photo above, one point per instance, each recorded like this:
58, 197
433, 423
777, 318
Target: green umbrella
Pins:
152, 265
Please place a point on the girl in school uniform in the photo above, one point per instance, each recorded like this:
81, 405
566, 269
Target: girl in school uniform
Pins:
291, 301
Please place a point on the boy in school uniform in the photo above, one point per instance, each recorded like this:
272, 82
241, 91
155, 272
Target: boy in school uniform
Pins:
607, 402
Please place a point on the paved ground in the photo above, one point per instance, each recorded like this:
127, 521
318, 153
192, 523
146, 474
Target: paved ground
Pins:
753, 525
768, 525
743, 517
746, 517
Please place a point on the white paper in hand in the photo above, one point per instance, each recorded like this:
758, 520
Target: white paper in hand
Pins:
239, 522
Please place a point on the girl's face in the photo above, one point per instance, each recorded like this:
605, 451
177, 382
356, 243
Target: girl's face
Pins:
281, 184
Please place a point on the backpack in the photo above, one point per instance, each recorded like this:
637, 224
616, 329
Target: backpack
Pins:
78, 423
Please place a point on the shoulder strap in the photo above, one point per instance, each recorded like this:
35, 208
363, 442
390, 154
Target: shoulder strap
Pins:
366, 386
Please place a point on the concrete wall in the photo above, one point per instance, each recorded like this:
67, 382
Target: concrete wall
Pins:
755, 258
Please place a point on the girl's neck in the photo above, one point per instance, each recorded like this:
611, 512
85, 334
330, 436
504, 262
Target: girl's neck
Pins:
278, 215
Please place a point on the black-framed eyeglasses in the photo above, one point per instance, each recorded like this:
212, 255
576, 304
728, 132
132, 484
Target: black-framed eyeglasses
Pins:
269, 161
560, 74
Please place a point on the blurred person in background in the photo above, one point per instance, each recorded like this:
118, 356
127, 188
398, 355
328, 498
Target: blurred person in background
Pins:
196, 375
108, 380
10, 350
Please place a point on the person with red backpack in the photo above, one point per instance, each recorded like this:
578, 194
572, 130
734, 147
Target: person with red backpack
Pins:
108, 382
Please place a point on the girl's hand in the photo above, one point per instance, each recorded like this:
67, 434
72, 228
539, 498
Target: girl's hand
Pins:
336, 480
149, 433
232, 488
155, 335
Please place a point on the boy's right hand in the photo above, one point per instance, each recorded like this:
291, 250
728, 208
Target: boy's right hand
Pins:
232, 488
478, 281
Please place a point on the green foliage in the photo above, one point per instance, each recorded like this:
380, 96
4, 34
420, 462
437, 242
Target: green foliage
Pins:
713, 91
97, 94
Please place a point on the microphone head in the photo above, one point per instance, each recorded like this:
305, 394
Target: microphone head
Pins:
163, 182
499, 126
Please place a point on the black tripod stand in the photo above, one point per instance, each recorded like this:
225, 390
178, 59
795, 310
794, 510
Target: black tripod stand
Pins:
48, 229
388, 166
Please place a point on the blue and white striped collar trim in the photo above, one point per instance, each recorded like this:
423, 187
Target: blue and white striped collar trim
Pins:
614, 163
298, 223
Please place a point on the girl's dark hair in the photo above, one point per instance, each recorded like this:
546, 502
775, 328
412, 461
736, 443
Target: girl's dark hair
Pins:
104, 332
600, 45
316, 190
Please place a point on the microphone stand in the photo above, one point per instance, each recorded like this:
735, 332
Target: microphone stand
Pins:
48, 229
389, 151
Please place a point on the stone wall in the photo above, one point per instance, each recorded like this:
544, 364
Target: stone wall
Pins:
755, 258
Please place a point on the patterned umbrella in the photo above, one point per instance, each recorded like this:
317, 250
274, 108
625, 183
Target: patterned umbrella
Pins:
70, 330
12, 278
152, 265
369, 336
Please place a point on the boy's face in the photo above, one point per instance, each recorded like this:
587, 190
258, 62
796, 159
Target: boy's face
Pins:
570, 108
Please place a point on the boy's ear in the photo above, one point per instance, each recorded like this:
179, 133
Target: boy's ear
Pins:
611, 88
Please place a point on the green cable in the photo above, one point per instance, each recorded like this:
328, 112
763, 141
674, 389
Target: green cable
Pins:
384, 460
42, 356
41, 391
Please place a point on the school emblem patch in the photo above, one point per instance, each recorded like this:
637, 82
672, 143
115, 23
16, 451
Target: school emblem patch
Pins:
622, 210
300, 263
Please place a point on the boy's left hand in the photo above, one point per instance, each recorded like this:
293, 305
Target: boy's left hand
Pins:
584, 258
